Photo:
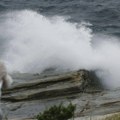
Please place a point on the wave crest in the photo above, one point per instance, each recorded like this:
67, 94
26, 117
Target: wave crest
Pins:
35, 43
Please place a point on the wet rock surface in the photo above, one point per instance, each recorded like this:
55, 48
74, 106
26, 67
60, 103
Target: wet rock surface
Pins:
33, 93
50, 87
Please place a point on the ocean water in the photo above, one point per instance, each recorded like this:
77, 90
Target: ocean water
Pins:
103, 15
36, 35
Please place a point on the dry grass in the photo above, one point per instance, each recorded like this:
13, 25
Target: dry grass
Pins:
113, 117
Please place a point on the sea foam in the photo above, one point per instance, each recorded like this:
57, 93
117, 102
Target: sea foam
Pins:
35, 43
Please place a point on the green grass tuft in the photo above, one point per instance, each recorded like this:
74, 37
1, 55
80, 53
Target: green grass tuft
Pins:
58, 113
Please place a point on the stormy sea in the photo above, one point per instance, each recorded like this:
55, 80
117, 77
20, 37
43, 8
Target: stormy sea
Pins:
61, 34
38, 36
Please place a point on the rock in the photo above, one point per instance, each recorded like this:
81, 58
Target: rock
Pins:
1, 115
50, 87
26, 99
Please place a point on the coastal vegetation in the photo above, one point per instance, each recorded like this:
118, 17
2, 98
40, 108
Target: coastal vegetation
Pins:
59, 112
113, 117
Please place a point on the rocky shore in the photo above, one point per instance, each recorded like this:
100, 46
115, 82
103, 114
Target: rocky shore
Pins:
31, 95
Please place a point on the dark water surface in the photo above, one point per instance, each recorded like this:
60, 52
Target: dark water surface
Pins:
104, 15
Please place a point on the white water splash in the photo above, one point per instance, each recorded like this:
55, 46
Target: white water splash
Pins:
35, 43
